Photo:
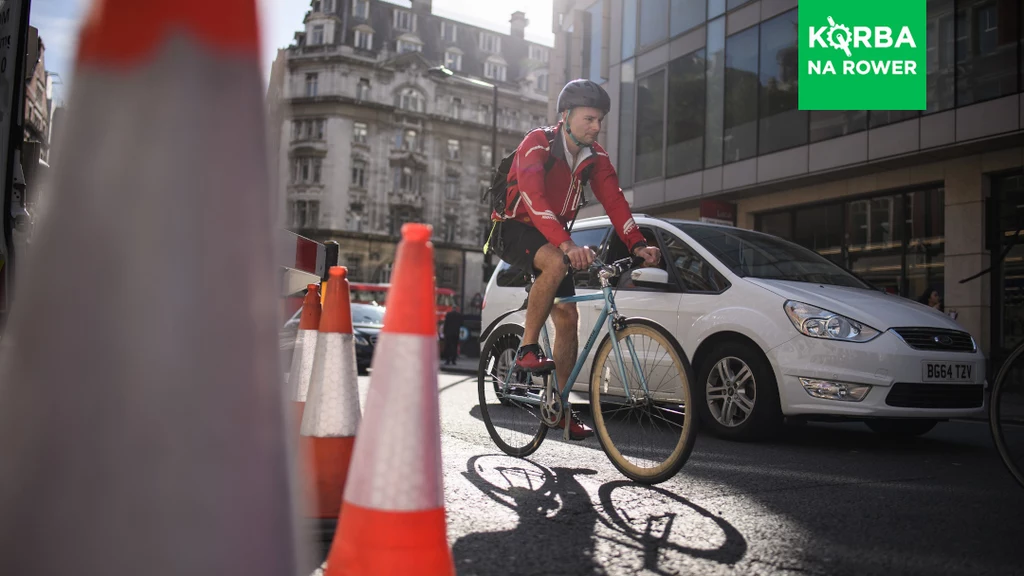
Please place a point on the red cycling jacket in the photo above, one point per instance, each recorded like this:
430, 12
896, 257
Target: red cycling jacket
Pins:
549, 202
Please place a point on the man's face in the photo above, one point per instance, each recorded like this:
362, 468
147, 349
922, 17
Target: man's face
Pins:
585, 124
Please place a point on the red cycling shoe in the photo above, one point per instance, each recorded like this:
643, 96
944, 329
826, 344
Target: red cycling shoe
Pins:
531, 359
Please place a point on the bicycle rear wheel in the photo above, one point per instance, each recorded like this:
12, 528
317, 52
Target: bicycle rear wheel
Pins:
514, 426
647, 434
1006, 414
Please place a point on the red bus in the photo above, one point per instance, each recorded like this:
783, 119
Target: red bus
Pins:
371, 293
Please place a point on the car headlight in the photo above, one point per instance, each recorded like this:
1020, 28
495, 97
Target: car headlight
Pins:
818, 323
361, 340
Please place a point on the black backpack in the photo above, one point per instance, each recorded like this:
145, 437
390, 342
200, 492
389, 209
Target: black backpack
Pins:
498, 191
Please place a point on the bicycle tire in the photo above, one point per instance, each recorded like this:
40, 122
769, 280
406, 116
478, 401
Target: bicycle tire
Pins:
688, 435
994, 416
500, 340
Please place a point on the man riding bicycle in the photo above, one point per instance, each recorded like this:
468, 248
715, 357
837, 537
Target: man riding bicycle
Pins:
531, 234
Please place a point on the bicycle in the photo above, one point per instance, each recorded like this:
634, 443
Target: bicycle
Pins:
1011, 421
541, 405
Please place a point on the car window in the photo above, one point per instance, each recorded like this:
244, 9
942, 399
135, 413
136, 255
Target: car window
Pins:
693, 271
365, 314
617, 250
595, 239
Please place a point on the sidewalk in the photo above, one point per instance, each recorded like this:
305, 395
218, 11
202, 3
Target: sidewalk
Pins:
464, 365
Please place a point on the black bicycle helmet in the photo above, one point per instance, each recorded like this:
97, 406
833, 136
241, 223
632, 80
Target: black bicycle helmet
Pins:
584, 93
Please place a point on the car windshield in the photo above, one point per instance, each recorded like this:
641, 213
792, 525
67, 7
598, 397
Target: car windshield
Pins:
756, 255
366, 314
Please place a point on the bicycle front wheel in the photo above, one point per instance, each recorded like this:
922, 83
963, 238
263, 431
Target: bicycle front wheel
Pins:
645, 422
1006, 414
514, 425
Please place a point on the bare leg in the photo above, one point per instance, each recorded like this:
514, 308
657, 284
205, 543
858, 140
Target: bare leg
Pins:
549, 260
566, 319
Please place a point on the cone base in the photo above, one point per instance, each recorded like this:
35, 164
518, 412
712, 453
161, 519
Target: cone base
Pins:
386, 543
329, 465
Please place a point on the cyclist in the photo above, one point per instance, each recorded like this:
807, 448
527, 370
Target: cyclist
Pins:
542, 197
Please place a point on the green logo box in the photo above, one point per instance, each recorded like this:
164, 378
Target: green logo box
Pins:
863, 54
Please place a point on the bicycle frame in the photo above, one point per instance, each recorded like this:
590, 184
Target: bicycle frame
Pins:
607, 316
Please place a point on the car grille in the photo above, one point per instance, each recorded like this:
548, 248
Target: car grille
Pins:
936, 339
906, 395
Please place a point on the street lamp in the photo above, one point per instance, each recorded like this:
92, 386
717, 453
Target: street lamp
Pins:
442, 73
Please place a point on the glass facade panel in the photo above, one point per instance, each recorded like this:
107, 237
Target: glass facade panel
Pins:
715, 8
686, 114
628, 29
778, 224
650, 126
653, 21
594, 33
716, 93
827, 124
878, 118
741, 87
626, 124
940, 60
875, 234
1008, 191
686, 14
782, 125
820, 228
926, 242
986, 49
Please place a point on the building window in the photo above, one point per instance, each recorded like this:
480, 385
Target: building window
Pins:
626, 131
782, 125
406, 180
363, 40
486, 157
457, 108
360, 133
653, 21
312, 81
827, 124
316, 5
741, 88
359, 174
306, 214
451, 227
628, 28
411, 99
986, 50
453, 150
320, 129
684, 15
306, 170
363, 89
318, 35
361, 9
409, 140
939, 57
715, 101
593, 41
449, 31
409, 46
540, 54
685, 145
405, 21
485, 114
451, 187
494, 71
878, 118
453, 60
650, 124
317, 164
490, 43
542, 83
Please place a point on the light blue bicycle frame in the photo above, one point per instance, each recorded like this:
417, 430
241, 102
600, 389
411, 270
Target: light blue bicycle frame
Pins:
604, 318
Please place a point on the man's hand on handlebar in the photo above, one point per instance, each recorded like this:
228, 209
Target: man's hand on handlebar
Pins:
579, 257
650, 254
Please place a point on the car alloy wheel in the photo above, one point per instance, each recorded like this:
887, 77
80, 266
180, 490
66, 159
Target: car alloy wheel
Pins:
731, 392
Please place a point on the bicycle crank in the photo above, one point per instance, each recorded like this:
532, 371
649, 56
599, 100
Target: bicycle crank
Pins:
550, 403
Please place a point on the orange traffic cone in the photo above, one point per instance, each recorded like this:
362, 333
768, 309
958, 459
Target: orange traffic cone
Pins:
392, 519
305, 350
332, 413
142, 421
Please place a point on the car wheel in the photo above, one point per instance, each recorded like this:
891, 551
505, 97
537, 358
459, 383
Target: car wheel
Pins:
736, 393
901, 428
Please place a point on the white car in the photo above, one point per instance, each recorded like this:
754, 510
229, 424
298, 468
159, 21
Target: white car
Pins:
774, 330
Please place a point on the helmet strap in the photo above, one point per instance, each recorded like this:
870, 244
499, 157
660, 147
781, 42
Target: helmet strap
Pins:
569, 132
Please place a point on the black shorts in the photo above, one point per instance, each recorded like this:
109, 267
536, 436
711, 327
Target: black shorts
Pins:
518, 243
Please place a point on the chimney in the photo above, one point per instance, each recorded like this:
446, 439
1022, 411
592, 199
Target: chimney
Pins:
422, 6
519, 23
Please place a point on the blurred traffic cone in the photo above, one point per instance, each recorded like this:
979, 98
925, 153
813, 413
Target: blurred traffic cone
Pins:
331, 417
392, 519
142, 421
305, 350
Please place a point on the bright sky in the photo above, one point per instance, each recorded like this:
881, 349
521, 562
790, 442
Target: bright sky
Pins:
58, 22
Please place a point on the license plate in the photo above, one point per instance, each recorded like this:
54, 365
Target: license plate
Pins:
947, 372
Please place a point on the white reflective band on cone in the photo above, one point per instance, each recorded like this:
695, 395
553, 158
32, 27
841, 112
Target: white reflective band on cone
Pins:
399, 457
302, 364
332, 406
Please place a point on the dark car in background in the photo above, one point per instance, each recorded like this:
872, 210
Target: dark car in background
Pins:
367, 322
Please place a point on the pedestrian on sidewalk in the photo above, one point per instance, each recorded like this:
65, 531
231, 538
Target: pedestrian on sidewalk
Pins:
452, 327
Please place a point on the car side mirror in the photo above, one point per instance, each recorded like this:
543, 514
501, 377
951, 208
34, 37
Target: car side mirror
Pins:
651, 278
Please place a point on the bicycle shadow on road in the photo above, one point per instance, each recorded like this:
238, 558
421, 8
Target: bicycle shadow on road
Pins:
558, 524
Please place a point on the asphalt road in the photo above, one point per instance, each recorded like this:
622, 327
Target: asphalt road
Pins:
821, 499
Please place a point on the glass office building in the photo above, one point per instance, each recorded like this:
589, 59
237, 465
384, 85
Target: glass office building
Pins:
705, 111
